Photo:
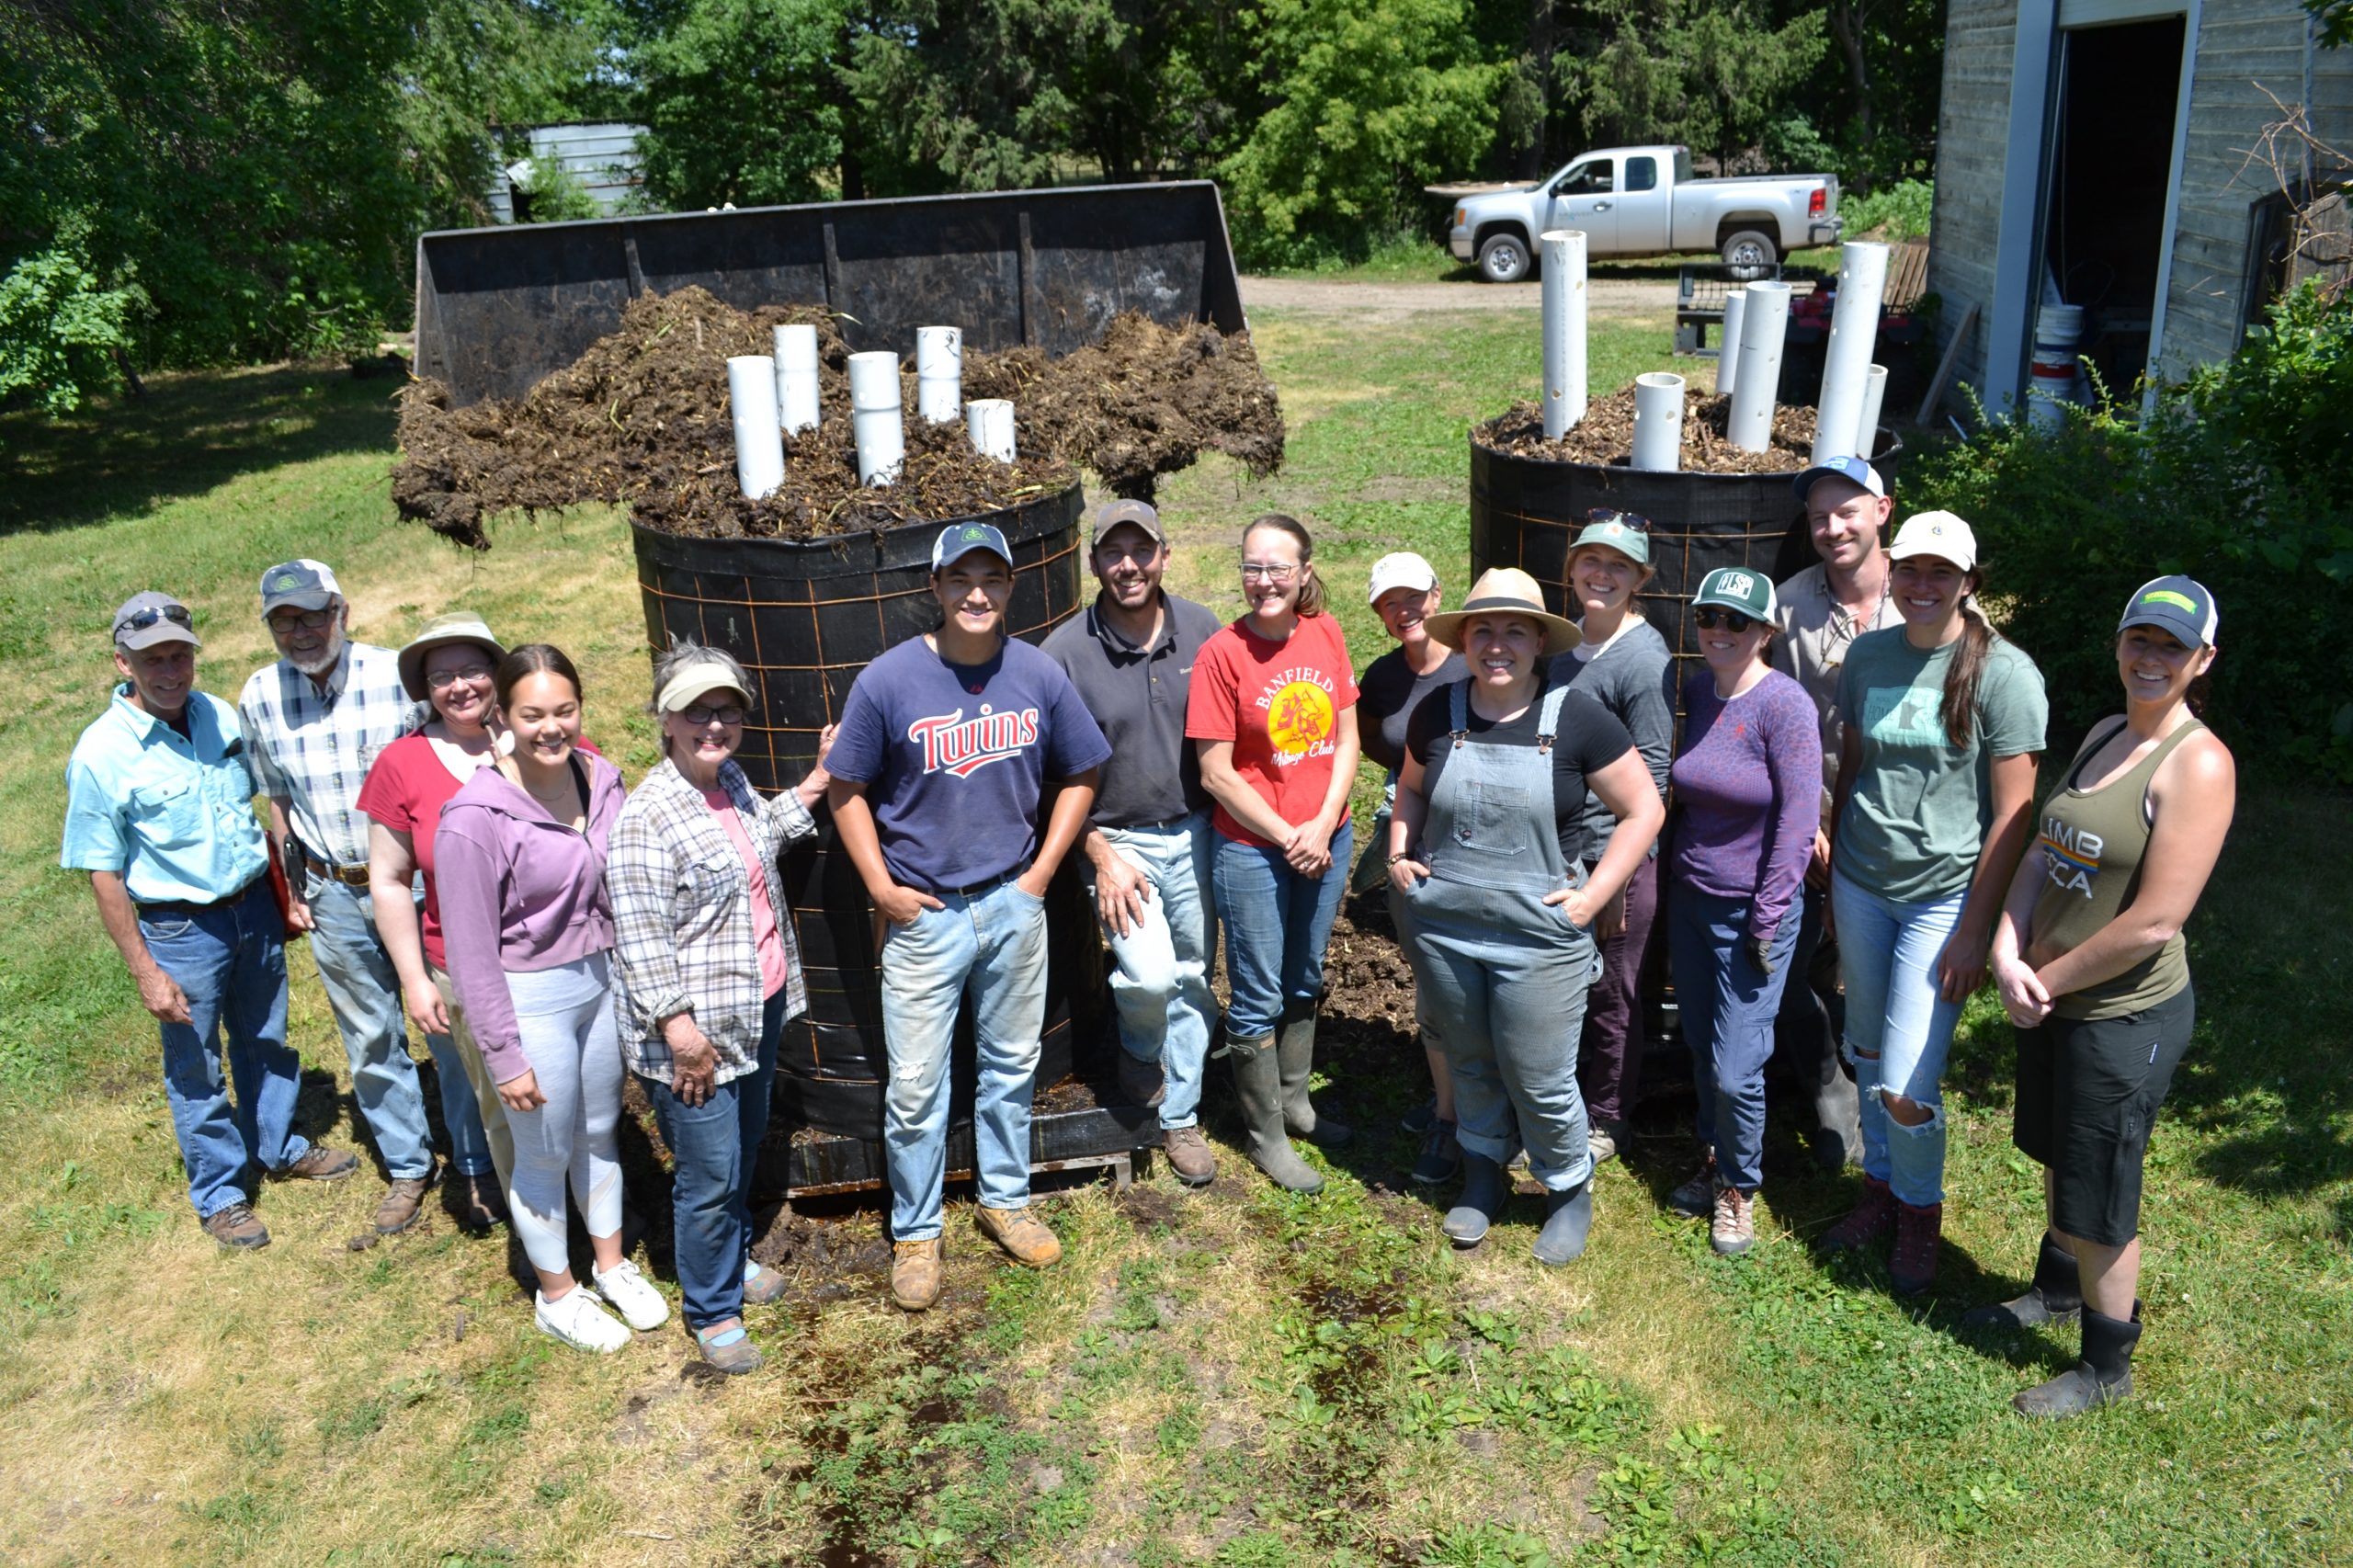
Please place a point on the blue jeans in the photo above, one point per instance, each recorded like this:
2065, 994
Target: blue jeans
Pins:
1162, 984
715, 1145
1277, 923
994, 946
1898, 1029
364, 990
230, 961
1727, 1008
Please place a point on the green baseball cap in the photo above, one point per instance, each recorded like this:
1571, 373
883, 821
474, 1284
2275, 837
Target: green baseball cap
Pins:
1737, 588
1620, 531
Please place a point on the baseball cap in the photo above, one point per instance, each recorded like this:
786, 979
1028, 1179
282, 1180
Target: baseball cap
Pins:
960, 539
1737, 588
1401, 570
1940, 534
1849, 467
1617, 530
2180, 605
700, 678
303, 583
1111, 514
151, 618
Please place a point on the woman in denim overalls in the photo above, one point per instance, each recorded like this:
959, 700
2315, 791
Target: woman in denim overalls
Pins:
1496, 910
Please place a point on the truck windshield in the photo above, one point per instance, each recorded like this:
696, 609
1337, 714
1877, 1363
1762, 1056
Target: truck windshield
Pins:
1585, 180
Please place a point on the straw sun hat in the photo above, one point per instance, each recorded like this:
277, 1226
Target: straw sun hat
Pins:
1506, 590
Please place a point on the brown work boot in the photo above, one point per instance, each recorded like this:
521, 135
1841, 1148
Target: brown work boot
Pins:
1189, 1156
1022, 1234
915, 1273
403, 1201
1872, 1217
1917, 1230
236, 1228
320, 1162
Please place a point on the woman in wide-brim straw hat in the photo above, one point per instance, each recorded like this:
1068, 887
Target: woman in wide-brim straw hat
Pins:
1486, 853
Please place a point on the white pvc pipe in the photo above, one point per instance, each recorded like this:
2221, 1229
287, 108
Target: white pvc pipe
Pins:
759, 444
1728, 350
1658, 422
874, 417
796, 378
1763, 325
989, 421
1867, 428
1854, 336
939, 373
1564, 303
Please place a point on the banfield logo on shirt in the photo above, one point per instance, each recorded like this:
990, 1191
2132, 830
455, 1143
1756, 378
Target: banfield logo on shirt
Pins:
954, 744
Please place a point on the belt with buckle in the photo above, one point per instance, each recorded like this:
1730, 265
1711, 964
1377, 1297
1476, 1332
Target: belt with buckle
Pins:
349, 876
179, 909
986, 884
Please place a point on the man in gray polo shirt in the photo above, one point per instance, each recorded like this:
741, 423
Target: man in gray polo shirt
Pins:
1145, 854
1823, 608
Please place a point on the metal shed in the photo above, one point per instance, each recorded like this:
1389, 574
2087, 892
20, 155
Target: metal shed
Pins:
2102, 148
601, 154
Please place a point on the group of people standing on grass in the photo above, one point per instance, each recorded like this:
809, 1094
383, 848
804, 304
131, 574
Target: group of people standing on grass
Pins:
1857, 755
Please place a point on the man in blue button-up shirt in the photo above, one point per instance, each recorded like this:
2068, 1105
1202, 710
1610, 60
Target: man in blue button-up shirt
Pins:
159, 811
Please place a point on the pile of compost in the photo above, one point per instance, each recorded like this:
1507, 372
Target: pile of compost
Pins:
1605, 435
643, 418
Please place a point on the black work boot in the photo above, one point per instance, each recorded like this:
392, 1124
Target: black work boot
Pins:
2056, 1295
1484, 1188
1258, 1084
1295, 1048
1568, 1222
2102, 1377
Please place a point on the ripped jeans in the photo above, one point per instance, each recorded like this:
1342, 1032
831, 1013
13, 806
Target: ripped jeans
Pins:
1898, 1029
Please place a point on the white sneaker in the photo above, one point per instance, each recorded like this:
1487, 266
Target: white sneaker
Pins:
576, 1319
639, 1304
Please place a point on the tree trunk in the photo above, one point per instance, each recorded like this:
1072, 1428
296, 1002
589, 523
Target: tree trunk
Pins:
1543, 37
1846, 22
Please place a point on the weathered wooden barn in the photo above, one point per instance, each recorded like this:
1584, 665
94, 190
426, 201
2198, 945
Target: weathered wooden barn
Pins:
2111, 153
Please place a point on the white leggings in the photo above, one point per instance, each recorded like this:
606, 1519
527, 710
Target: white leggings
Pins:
565, 1018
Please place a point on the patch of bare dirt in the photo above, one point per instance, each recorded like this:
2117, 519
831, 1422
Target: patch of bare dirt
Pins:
1605, 435
643, 418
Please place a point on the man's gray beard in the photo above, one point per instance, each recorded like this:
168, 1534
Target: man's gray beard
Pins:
321, 663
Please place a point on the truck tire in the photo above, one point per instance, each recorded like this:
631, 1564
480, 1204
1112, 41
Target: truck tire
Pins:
1504, 258
1749, 253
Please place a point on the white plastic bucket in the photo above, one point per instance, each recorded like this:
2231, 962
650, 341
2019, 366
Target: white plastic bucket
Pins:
2059, 328
2050, 381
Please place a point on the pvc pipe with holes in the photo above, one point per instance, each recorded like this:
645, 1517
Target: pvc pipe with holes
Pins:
1763, 326
1728, 348
759, 444
939, 373
1564, 311
796, 378
874, 417
1658, 422
989, 421
1846, 359
1867, 428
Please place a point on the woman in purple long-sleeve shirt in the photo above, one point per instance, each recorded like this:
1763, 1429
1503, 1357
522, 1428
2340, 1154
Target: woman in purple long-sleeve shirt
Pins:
1748, 793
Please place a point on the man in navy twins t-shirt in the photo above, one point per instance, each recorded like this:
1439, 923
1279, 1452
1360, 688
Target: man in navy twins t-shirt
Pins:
944, 749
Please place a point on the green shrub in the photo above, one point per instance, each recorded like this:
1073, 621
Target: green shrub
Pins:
557, 194
2237, 477
59, 329
1902, 210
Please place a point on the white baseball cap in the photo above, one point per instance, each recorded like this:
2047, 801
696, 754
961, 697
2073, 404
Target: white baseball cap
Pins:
1402, 570
1940, 534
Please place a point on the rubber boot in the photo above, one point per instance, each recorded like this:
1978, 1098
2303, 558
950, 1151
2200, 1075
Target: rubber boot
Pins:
1484, 1188
1837, 1119
1297, 1054
2102, 1377
1919, 1230
1568, 1221
1258, 1084
1872, 1217
2056, 1295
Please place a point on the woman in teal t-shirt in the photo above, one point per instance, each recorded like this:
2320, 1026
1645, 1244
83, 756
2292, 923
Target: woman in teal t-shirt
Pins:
1943, 722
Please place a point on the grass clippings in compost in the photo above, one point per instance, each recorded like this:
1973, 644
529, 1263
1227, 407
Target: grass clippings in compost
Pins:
643, 418
1605, 435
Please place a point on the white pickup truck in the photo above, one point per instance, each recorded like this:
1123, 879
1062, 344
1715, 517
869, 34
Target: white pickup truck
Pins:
1643, 202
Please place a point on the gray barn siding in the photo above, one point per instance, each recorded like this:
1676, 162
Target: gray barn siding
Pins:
1973, 135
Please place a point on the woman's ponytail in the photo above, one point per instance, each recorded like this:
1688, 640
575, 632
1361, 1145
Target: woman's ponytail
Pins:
1967, 670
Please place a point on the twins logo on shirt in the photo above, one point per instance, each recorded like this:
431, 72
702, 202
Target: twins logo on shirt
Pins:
2070, 856
954, 744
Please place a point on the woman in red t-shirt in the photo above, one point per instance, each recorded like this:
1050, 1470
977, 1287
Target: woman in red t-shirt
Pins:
449, 664
1272, 707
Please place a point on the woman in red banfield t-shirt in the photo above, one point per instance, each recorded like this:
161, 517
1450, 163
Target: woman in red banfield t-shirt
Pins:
1272, 707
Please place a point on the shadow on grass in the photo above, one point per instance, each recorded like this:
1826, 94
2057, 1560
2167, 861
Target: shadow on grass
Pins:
192, 431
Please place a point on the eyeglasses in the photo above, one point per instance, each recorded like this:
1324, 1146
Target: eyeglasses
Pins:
441, 680
308, 620
1252, 572
1634, 520
139, 620
1731, 621
699, 715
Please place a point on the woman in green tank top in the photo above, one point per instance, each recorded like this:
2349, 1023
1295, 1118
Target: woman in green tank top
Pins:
2094, 973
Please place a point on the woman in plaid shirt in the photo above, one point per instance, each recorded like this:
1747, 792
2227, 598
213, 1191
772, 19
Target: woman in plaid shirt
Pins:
709, 974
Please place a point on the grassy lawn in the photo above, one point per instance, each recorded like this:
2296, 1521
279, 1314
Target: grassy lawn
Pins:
1410, 259
1236, 1376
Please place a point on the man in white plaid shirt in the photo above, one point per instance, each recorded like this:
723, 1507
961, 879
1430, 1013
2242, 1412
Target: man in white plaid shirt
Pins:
315, 723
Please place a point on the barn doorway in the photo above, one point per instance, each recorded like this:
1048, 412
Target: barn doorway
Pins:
2109, 167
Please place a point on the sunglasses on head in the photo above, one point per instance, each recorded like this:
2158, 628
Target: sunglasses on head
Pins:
1731, 621
139, 620
1633, 520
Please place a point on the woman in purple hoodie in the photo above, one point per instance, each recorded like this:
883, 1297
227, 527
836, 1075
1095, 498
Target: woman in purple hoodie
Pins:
529, 934
1748, 797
